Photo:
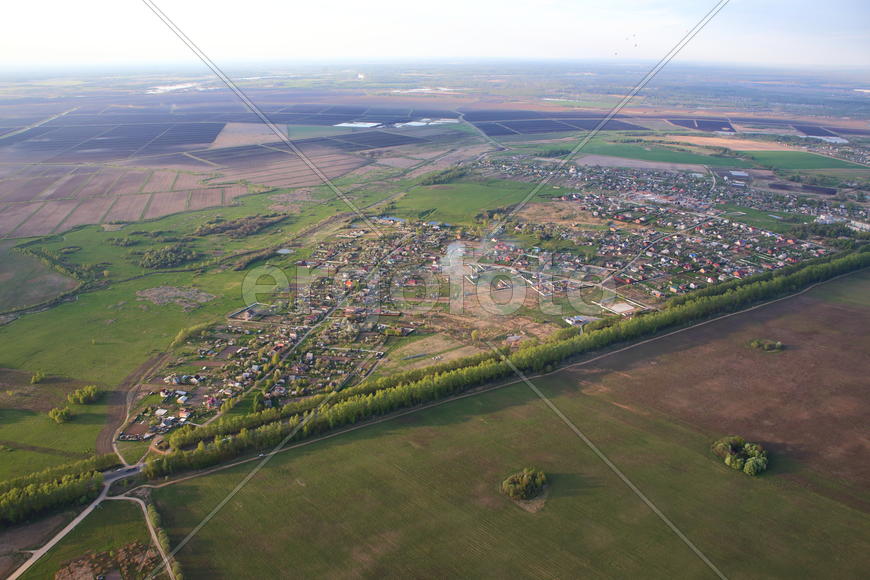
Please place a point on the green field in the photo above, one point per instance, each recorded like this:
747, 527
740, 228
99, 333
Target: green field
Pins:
25, 281
458, 203
432, 479
762, 219
660, 154
797, 160
111, 526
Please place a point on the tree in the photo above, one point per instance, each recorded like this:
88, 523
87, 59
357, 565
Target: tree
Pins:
60, 414
37, 378
257, 402
524, 484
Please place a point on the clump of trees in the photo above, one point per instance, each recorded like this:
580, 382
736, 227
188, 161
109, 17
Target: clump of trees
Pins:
524, 484
37, 378
60, 414
124, 242
84, 396
239, 228
167, 256
750, 458
445, 176
767, 345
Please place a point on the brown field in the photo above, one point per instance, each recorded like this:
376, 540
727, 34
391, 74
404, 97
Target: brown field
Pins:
187, 181
66, 186
562, 212
44, 221
201, 198
13, 214
130, 182
166, 203
90, 211
236, 134
25, 188
101, 184
127, 208
160, 180
730, 143
808, 404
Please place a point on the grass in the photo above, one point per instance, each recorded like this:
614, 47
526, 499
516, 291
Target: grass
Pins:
798, 160
38, 442
459, 202
132, 451
762, 219
111, 526
25, 281
432, 479
659, 154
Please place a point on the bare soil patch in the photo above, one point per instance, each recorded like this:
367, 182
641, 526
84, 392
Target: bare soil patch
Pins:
608, 161
187, 298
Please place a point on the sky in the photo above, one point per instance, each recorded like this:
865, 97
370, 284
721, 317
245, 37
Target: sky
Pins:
115, 33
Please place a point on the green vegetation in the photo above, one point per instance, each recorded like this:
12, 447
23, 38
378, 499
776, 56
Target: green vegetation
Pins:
425, 461
167, 257
766, 345
110, 527
660, 154
779, 222
53, 474
797, 160
524, 484
750, 458
20, 503
26, 281
37, 378
445, 176
458, 202
238, 228
84, 396
60, 414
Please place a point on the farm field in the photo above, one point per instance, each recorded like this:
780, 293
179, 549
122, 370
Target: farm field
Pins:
113, 525
798, 160
459, 202
633, 151
25, 281
808, 403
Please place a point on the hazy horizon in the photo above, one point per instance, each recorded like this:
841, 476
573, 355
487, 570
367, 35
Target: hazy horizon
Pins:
776, 34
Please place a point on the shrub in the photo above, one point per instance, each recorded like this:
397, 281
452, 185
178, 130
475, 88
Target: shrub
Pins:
60, 414
84, 396
524, 484
37, 378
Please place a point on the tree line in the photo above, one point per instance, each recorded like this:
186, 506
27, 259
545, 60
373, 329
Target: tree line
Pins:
20, 503
95, 463
360, 403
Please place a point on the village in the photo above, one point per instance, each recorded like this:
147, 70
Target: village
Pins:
357, 296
